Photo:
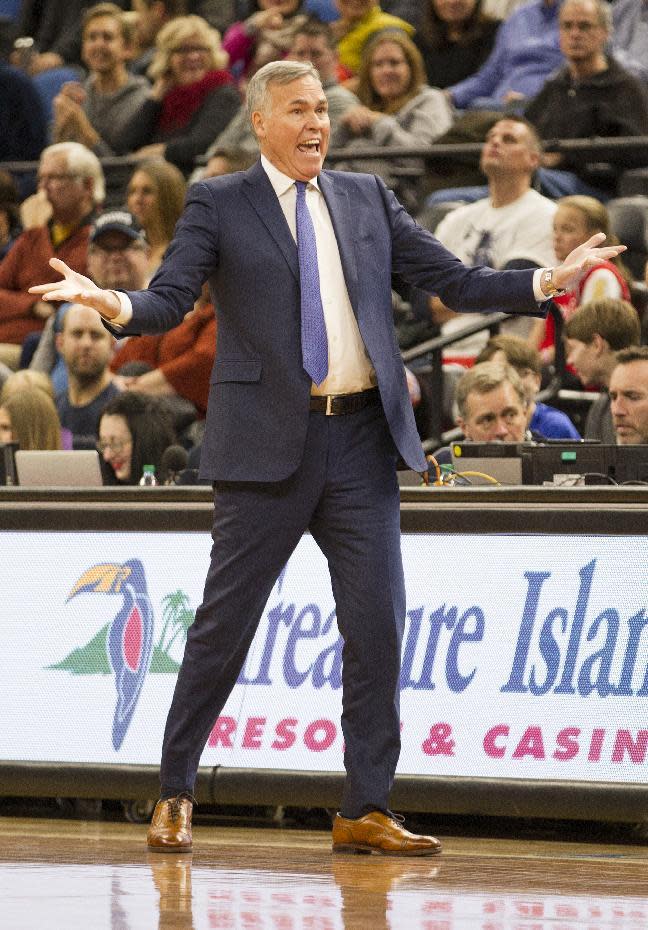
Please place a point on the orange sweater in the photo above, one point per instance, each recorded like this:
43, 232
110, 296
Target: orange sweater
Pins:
184, 355
27, 263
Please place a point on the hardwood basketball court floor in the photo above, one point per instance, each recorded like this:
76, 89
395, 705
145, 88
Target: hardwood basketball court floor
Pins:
58, 874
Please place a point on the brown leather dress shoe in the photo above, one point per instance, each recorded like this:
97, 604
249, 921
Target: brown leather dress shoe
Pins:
378, 833
170, 829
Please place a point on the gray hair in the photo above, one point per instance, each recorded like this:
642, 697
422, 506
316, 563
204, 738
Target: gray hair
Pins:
484, 378
603, 13
83, 163
275, 72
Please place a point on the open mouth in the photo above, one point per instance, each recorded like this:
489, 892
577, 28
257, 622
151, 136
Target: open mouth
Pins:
312, 147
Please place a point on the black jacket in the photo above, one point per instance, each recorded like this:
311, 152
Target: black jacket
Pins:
611, 103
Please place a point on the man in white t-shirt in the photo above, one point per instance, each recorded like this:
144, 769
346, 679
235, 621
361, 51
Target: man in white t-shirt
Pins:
512, 227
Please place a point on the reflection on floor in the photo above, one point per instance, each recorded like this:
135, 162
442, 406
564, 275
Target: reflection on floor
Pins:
71, 875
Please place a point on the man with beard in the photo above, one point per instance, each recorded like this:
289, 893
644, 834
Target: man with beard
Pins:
117, 258
86, 347
629, 396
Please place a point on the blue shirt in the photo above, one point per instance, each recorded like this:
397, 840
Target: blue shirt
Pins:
630, 36
526, 52
83, 422
324, 10
552, 423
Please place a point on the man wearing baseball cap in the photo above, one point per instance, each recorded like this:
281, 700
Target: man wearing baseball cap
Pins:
117, 258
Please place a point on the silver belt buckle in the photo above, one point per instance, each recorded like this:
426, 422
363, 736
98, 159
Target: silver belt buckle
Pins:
329, 405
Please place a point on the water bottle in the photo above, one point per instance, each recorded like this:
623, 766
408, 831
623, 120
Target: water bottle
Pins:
148, 479
24, 52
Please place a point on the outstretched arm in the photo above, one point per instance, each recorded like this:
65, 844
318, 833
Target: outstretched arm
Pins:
76, 288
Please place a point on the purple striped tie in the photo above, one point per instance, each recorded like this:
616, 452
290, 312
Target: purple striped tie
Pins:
313, 329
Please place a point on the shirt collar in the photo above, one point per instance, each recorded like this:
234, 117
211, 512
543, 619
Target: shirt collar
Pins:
281, 183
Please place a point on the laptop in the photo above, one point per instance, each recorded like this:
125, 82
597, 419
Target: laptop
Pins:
64, 469
488, 462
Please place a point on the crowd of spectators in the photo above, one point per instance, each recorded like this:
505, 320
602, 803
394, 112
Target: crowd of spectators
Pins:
163, 82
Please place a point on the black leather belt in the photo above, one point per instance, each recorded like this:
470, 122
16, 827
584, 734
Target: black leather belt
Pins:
334, 405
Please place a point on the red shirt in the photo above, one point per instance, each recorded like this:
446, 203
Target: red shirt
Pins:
26, 264
184, 355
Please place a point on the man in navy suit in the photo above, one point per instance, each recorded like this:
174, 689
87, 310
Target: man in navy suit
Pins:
289, 453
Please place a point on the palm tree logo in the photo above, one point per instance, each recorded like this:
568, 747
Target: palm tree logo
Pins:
177, 617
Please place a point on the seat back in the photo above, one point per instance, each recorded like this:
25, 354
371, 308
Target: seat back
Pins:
49, 83
430, 217
629, 221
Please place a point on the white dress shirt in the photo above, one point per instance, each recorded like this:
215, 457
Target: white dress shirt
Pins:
350, 369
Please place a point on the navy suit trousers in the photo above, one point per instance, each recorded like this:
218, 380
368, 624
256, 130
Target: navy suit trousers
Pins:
345, 493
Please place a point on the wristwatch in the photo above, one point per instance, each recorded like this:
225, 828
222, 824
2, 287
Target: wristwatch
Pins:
547, 285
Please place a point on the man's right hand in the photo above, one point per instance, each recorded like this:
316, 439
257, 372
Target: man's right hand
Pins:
76, 288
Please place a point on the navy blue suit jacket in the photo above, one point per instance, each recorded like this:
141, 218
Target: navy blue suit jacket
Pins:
234, 234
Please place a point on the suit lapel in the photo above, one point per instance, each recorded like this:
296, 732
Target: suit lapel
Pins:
259, 191
337, 201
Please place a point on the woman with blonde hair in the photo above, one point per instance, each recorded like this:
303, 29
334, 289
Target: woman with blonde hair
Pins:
397, 107
155, 196
29, 418
577, 218
27, 379
193, 96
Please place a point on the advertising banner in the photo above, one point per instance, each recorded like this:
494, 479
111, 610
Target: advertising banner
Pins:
524, 656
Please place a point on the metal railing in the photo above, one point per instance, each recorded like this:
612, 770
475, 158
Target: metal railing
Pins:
595, 148
430, 354
598, 147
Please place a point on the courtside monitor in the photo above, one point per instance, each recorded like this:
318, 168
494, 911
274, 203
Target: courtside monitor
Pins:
568, 464
631, 464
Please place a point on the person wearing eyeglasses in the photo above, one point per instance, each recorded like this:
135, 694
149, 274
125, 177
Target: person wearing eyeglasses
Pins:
71, 179
134, 431
193, 96
592, 95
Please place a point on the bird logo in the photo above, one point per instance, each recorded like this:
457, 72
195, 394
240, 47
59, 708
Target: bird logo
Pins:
129, 638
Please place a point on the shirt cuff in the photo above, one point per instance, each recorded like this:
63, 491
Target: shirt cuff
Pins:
538, 293
126, 312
